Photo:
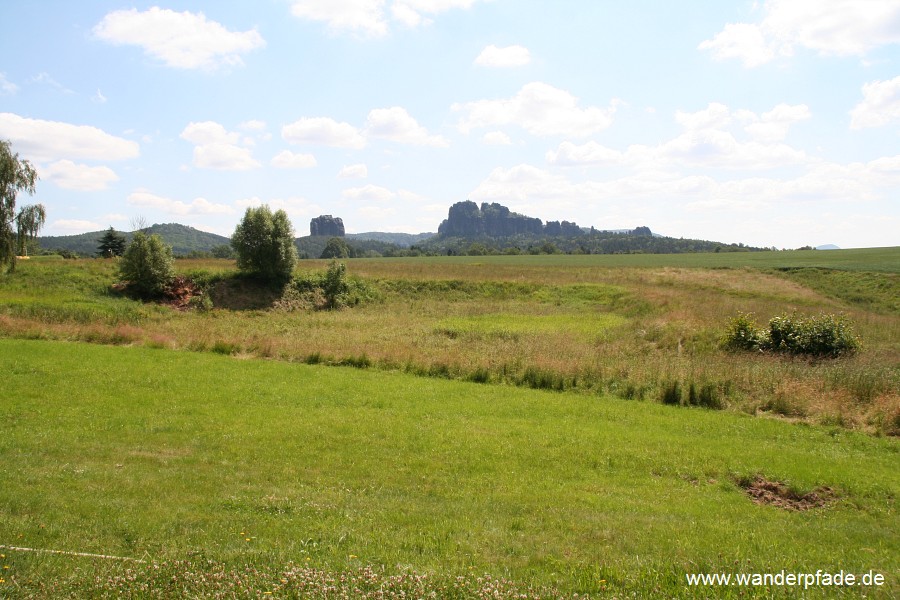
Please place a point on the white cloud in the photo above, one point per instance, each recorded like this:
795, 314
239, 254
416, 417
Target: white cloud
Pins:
78, 225
288, 160
224, 157
496, 138
510, 56
296, 207
200, 206
363, 18
252, 125
52, 140
98, 98
216, 148
742, 41
773, 126
357, 171
68, 175
539, 109
829, 27
408, 8
707, 142
208, 132
366, 19
118, 217
325, 131
370, 193
182, 40
880, 104
397, 125
7, 88
591, 153
714, 116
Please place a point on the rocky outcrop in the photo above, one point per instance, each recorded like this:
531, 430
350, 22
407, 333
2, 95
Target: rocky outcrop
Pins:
327, 225
467, 219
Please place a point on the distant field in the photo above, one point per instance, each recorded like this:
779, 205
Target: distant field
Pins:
256, 464
866, 259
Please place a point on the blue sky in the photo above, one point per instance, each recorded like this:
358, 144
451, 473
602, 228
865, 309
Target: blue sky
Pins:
769, 123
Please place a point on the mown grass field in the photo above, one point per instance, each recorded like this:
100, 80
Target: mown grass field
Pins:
169, 438
255, 465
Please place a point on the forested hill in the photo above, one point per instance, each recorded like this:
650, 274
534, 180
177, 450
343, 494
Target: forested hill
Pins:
183, 239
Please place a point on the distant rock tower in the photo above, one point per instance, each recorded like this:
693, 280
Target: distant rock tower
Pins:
327, 225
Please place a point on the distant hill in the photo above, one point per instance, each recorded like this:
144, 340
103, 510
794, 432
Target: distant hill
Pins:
827, 247
183, 239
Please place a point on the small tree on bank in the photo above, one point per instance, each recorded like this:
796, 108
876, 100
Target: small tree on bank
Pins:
264, 243
147, 265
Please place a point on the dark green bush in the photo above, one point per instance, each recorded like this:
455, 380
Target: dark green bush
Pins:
823, 335
328, 290
147, 265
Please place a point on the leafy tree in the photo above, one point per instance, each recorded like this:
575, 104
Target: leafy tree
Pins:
112, 244
264, 243
147, 265
16, 175
336, 248
334, 285
28, 222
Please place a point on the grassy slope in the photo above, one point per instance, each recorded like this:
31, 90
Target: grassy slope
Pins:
136, 451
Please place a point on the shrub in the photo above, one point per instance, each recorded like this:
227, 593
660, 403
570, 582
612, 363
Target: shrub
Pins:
742, 333
822, 335
264, 243
147, 265
328, 290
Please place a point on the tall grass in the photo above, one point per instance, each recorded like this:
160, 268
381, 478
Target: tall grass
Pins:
584, 325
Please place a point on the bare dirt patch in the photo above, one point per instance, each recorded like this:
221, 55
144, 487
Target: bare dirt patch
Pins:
775, 493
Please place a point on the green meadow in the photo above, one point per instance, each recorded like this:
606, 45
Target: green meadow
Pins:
163, 455
473, 427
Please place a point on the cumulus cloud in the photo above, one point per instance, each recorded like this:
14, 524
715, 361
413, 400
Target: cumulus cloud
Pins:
880, 104
216, 148
539, 109
397, 125
324, 131
74, 225
711, 139
200, 206
773, 126
208, 132
252, 125
68, 175
296, 207
182, 40
510, 56
496, 138
367, 19
368, 193
829, 27
591, 153
363, 18
53, 140
288, 160
224, 157
357, 171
